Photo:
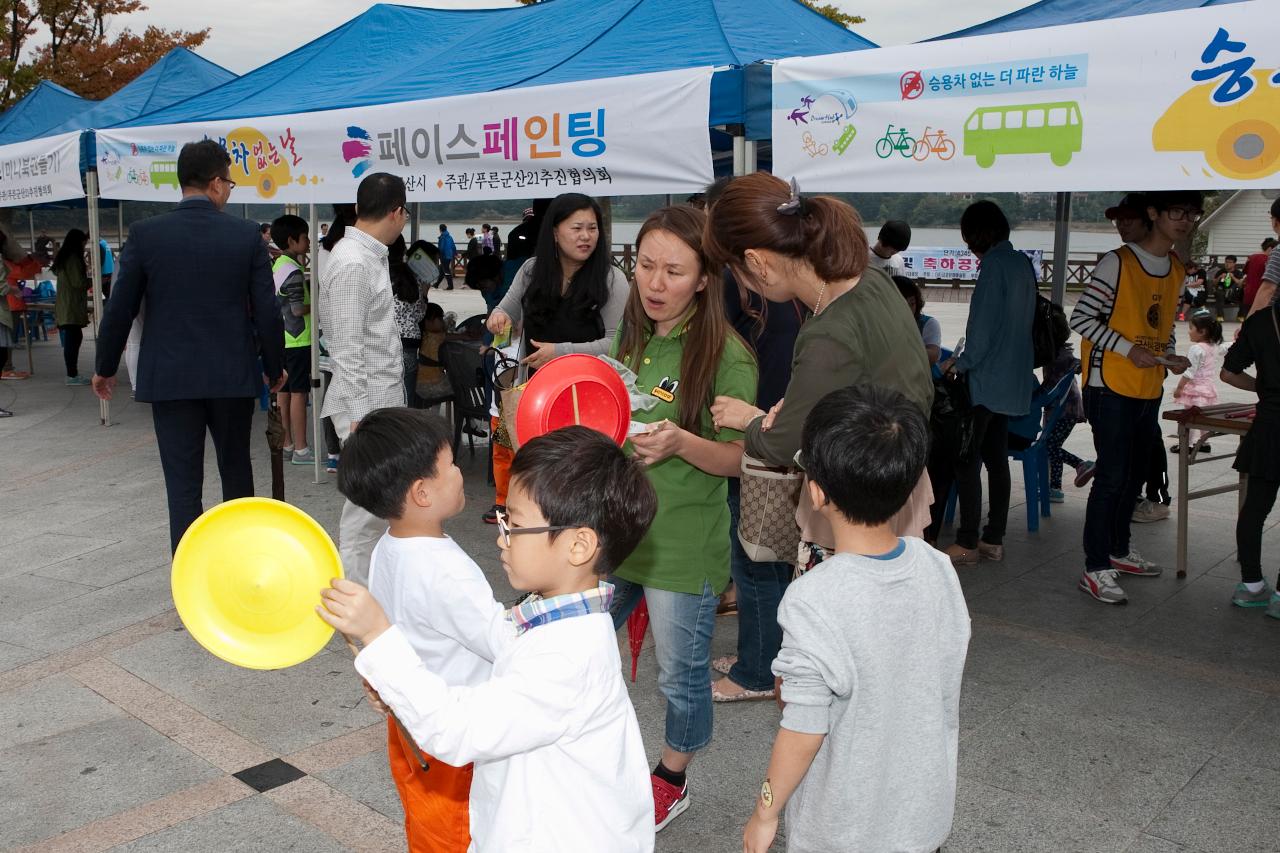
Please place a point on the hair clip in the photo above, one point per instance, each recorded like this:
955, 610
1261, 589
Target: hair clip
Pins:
795, 204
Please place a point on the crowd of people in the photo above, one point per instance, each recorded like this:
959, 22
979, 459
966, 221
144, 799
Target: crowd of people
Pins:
770, 338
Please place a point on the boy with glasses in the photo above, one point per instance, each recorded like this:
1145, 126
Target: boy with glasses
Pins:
1126, 317
559, 764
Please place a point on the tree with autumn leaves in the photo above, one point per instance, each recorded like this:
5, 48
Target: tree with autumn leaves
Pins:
78, 44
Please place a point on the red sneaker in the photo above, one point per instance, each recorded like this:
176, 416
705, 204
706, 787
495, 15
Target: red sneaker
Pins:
668, 801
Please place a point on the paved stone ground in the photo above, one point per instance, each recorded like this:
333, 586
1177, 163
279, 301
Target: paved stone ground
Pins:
1084, 728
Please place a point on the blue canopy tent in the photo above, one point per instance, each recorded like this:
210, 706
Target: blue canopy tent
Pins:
1052, 13
44, 106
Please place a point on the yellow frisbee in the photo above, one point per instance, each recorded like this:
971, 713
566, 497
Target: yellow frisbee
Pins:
246, 580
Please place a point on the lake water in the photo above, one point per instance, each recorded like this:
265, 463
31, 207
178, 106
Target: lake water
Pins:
625, 231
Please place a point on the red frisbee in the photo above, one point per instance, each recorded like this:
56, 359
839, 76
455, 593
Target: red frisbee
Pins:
574, 389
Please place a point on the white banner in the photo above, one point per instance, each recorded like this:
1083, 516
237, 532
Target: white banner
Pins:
633, 135
40, 170
951, 264
1176, 100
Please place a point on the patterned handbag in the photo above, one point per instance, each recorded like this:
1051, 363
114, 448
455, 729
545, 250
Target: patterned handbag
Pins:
767, 525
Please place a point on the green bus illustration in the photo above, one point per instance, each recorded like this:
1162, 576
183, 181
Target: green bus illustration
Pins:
1054, 128
164, 172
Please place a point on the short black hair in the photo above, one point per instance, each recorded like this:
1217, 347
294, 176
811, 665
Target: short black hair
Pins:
379, 195
443, 228
1269, 243
910, 290
392, 448
1275, 209
579, 478
1229, 258
199, 163
866, 447
264, 228
982, 225
895, 234
286, 228
1165, 199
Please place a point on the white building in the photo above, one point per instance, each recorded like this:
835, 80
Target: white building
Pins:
1240, 223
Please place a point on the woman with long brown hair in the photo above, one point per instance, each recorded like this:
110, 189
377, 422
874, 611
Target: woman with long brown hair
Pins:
785, 246
677, 339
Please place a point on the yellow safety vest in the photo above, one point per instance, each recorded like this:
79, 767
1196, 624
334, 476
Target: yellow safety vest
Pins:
1144, 311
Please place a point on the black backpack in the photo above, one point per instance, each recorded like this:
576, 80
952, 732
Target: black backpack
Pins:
1049, 331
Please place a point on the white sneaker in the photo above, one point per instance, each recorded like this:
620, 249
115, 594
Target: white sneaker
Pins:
305, 456
1102, 586
1136, 564
1148, 511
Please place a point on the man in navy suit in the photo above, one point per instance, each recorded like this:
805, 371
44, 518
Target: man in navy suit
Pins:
210, 313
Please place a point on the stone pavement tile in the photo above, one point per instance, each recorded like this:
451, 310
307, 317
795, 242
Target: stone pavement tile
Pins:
180, 809
1086, 763
12, 655
1154, 844
216, 744
330, 754
1226, 808
368, 780
991, 819
282, 710
27, 593
48, 708
47, 665
999, 671
1145, 701
1201, 626
141, 552
36, 552
1254, 740
353, 824
252, 825
89, 616
84, 774
1054, 603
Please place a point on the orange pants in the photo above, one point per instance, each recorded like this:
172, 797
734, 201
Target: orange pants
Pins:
437, 818
502, 457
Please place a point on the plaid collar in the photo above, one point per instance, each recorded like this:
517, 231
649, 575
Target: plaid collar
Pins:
536, 610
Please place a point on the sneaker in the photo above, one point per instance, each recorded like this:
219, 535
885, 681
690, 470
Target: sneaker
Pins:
1243, 598
1102, 586
668, 801
1204, 448
331, 464
5, 413
1057, 497
1148, 511
1273, 607
305, 456
1135, 564
78, 380
491, 517
1084, 473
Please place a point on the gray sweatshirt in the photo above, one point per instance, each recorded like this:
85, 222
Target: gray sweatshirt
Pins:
872, 656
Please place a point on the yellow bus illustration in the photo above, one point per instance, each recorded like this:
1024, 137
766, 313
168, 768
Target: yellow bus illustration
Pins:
164, 172
1053, 128
1239, 140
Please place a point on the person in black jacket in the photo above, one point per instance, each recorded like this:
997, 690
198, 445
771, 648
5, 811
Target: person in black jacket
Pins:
211, 313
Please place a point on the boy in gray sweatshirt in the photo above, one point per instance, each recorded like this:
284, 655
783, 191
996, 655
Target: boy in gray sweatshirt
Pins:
873, 650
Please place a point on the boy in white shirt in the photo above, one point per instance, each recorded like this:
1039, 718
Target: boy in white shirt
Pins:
873, 649
399, 466
559, 764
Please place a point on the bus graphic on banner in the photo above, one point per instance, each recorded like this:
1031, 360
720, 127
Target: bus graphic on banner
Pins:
1053, 128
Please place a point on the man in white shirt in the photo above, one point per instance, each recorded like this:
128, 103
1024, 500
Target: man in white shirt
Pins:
894, 238
363, 340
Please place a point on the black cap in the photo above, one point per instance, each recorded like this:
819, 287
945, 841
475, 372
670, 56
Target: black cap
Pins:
1132, 206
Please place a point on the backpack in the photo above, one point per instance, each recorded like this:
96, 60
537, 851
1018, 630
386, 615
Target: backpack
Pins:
1049, 331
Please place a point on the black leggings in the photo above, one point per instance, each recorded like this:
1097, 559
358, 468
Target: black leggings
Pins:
1259, 498
72, 337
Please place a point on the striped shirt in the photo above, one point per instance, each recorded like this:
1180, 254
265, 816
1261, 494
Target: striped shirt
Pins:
1091, 317
360, 328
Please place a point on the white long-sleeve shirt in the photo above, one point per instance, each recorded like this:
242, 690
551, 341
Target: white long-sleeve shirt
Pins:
559, 763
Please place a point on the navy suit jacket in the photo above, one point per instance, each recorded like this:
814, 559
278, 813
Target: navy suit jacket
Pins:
210, 307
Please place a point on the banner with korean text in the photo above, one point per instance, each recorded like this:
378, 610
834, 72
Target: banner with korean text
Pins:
632, 135
1186, 99
950, 264
40, 170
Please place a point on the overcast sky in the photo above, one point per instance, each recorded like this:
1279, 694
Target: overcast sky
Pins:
249, 33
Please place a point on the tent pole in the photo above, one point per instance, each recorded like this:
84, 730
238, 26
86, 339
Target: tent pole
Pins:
751, 161
119, 226
31, 227
739, 155
1061, 247
317, 428
95, 267
416, 228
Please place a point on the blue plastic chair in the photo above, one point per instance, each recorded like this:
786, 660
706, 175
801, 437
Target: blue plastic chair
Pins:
1034, 459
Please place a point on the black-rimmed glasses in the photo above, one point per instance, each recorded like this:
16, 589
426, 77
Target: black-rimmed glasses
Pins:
507, 531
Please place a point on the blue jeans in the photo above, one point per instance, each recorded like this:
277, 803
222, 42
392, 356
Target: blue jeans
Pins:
682, 625
760, 587
1124, 429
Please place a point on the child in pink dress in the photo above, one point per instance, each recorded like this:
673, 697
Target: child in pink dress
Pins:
1199, 384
